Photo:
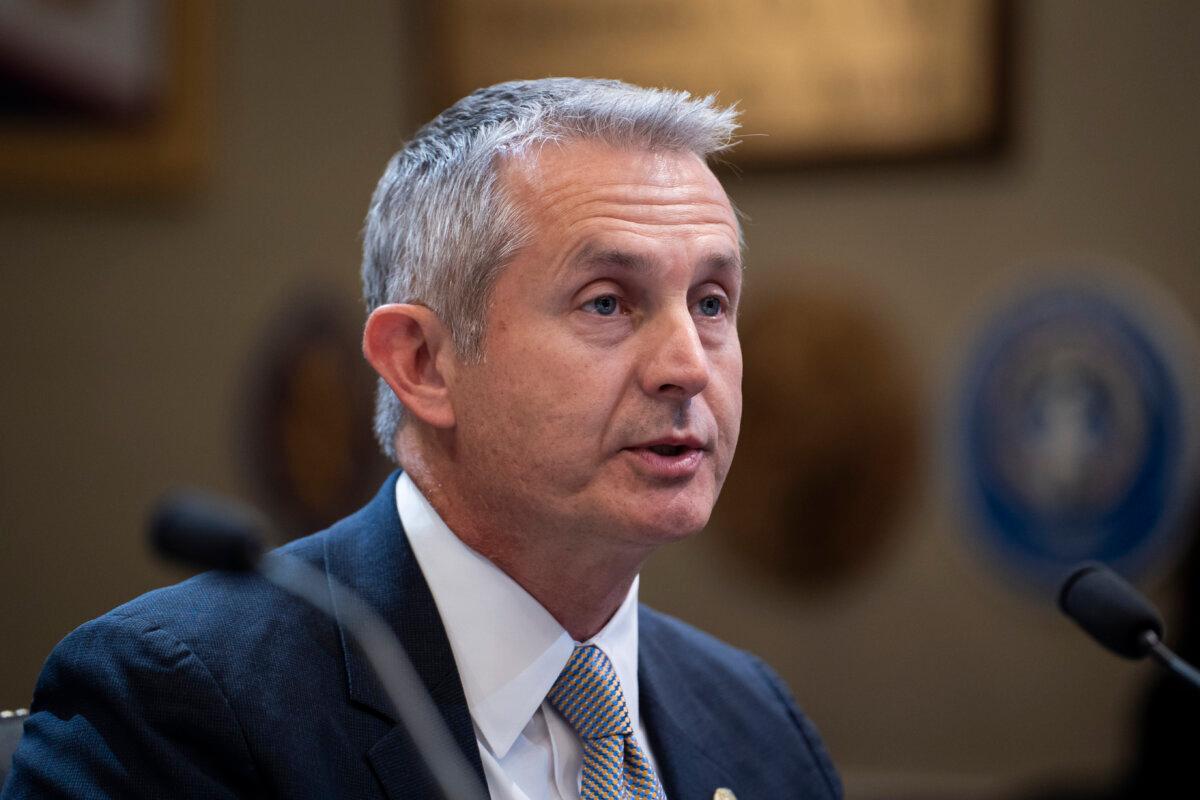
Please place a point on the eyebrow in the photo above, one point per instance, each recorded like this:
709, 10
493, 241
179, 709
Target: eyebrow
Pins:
598, 258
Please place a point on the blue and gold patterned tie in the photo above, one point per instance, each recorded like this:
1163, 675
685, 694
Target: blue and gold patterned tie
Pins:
588, 695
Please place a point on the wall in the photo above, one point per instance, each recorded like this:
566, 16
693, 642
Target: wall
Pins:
128, 325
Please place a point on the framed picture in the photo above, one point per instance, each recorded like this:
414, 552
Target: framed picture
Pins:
104, 94
817, 80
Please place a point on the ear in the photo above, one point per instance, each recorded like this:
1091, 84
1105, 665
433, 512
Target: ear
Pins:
411, 349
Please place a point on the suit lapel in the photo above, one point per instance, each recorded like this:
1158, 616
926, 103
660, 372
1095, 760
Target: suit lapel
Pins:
684, 739
370, 553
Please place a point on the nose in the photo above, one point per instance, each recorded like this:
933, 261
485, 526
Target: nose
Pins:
676, 365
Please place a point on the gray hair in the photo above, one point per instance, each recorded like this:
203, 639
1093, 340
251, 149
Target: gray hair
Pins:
440, 228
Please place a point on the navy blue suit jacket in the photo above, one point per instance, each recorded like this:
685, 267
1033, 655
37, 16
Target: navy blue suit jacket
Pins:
223, 686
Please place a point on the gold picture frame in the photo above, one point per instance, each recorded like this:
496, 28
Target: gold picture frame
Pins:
163, 147
817, 80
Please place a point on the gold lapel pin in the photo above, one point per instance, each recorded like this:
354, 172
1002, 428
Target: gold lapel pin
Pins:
724, 794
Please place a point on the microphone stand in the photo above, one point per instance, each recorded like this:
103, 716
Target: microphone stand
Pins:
1167, 657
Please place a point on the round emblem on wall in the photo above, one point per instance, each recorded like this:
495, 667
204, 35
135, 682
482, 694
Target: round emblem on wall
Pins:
1076, 438
829, 451
305, 437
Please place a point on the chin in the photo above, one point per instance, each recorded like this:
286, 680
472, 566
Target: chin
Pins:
656, 515
673, 522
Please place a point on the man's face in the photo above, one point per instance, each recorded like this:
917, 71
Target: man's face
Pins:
608, 399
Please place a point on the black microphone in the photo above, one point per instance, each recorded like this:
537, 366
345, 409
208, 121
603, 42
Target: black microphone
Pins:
202, 530
1118, 617
210, 532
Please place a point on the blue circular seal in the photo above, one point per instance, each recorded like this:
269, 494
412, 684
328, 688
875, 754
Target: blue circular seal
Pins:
1074, 434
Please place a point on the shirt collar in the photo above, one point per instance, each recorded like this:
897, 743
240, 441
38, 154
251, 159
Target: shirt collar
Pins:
508, 648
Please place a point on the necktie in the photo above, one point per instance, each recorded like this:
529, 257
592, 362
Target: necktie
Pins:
588, 696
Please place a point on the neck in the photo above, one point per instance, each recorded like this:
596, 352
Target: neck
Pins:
581, 580
579, 591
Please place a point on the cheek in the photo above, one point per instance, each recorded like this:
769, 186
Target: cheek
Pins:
552, 406
727, 401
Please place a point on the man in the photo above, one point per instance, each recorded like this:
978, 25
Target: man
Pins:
553, 276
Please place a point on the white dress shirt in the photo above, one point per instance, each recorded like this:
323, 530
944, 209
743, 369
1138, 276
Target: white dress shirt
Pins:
510, 651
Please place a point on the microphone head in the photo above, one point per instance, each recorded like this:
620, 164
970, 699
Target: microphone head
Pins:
206, 531
1110, 610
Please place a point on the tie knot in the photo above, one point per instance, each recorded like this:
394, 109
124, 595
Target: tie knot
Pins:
588, 695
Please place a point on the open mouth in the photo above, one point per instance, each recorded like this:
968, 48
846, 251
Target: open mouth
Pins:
671, 461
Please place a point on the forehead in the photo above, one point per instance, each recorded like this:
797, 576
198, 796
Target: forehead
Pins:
570, 191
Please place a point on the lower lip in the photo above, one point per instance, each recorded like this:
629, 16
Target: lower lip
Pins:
683, 465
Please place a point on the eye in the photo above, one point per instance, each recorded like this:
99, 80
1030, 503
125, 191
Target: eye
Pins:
605, 305
711, 306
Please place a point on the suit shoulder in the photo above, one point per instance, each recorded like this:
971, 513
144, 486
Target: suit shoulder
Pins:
210, 602
666, 634
239, 626
119, 687
710, 666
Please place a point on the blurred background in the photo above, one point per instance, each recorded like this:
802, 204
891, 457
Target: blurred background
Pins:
181, 193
